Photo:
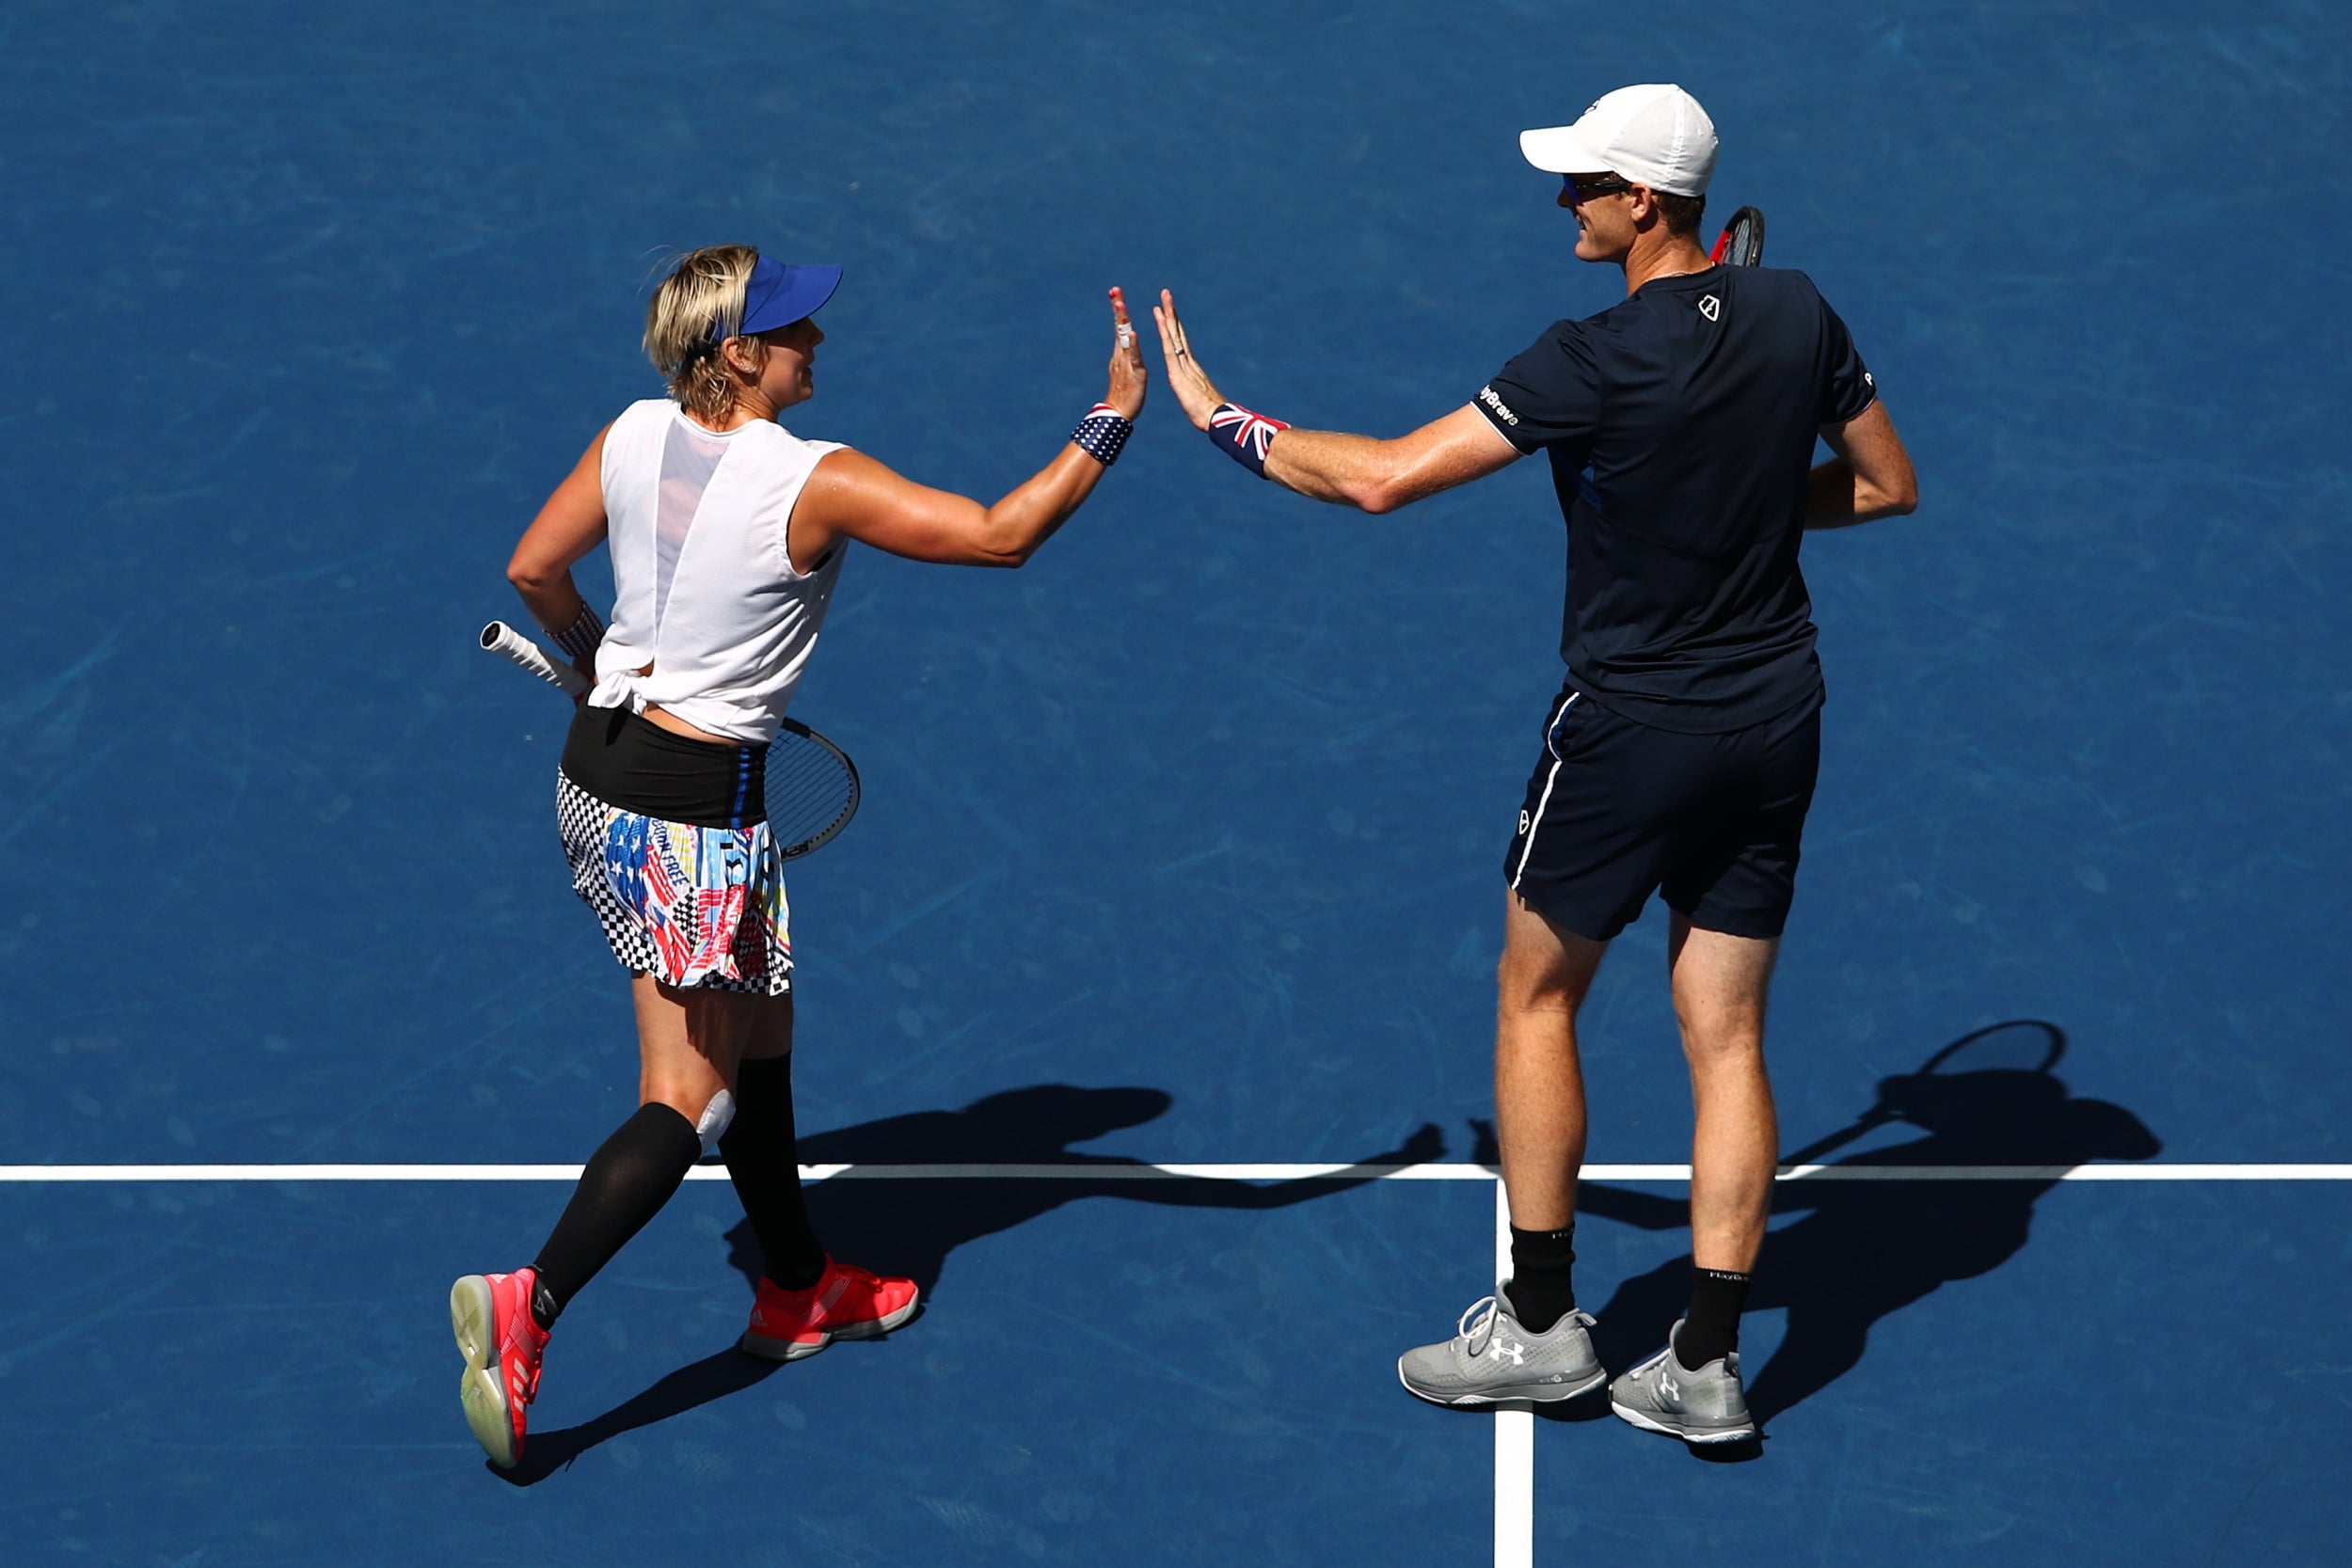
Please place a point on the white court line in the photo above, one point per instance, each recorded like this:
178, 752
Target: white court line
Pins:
2142, 1171
1514, 1429
718, 1173
1514, 1440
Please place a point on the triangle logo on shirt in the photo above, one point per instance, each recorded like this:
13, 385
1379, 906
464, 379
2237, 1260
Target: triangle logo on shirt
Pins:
1710, 306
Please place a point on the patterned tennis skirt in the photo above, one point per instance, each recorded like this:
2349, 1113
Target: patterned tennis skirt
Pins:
690, 906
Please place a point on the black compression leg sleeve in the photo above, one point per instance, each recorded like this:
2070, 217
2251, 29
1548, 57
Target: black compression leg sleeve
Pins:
762, 1152
626, 1184
1543, 1288
1712, 1328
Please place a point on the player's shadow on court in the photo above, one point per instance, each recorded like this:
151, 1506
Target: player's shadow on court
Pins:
909, 1226
714, 1377
1869, 1246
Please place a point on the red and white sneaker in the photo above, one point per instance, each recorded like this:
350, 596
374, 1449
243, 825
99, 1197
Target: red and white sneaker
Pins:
501, 1343
846, 1303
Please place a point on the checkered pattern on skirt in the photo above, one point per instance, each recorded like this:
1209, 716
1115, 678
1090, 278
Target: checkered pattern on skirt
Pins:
700, 907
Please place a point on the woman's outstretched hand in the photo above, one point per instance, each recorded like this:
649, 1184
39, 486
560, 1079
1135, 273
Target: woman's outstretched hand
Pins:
1128, 375
1185, 378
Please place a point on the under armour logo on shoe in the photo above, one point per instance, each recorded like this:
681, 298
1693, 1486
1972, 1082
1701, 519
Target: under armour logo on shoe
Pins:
1667, 1386
1511, 1348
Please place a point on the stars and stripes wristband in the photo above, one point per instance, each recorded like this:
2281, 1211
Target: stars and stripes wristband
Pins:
581, 637
1243, 435
1102, 433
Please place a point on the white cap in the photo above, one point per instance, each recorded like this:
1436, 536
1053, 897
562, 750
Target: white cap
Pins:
1654, 134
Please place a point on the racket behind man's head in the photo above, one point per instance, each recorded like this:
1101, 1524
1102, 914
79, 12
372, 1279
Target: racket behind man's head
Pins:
1742, 242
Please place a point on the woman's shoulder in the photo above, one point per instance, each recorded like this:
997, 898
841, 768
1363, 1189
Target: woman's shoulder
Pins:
646, 409
809, 444
775, 438
644, 415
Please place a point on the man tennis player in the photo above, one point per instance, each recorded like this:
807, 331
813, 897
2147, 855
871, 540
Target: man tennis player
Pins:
1681, 753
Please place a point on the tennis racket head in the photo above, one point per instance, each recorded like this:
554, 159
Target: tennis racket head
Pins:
2025, 1044
1743, 241
812, 789
2001, 1073
2003, 1070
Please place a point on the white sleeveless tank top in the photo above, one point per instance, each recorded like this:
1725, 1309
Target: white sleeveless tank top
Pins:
704, 590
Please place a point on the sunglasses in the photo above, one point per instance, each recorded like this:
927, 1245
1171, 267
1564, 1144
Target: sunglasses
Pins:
1578, 191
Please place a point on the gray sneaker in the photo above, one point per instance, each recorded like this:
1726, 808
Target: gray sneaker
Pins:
1704, 1407
1494, 1359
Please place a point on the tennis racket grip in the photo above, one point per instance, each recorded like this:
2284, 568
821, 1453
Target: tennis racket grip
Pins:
500, 638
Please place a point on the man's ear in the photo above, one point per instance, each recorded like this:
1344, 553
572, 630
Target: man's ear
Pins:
1642, 205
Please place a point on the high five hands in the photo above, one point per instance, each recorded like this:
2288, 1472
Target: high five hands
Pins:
1128, 375
1193, 390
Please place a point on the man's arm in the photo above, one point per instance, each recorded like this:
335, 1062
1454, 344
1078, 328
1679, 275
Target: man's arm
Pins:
1869, 478
1373, 475
1353, 470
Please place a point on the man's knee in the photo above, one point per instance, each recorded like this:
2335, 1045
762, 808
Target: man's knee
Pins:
1544, 969
1721, 983
1723, 1042
1528, 989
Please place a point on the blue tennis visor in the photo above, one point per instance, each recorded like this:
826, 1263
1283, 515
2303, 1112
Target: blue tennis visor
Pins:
780, 292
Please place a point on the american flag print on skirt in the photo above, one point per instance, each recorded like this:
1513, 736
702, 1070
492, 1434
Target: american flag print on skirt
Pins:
695, 906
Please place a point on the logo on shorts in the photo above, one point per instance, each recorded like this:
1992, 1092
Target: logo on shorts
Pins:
1710, 307
1503, 410
1522, 821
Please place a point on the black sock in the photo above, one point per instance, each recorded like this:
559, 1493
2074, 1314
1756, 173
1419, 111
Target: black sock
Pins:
626, 1184
1542, 1287
1711, 1329
763, 1155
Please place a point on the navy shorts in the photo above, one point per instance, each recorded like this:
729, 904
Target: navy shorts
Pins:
1617, 810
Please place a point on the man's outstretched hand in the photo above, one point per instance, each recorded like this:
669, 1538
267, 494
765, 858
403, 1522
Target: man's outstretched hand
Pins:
1185, 378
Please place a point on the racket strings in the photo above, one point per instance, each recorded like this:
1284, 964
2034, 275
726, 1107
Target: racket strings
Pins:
812, 790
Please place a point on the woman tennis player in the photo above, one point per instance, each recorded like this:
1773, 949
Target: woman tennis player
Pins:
727, 533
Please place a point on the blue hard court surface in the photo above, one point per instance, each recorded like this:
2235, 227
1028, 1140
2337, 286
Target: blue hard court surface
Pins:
309, 307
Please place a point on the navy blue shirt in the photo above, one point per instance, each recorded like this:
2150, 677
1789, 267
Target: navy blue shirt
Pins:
1681, 425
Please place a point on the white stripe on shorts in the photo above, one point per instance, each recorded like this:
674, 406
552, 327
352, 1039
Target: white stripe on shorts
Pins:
1545, 799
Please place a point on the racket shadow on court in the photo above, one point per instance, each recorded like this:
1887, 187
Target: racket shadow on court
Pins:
1867, 1248
909, 1226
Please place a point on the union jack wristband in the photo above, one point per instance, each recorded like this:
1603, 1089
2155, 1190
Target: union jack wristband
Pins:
1243, 435
581, 637
1102, 433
